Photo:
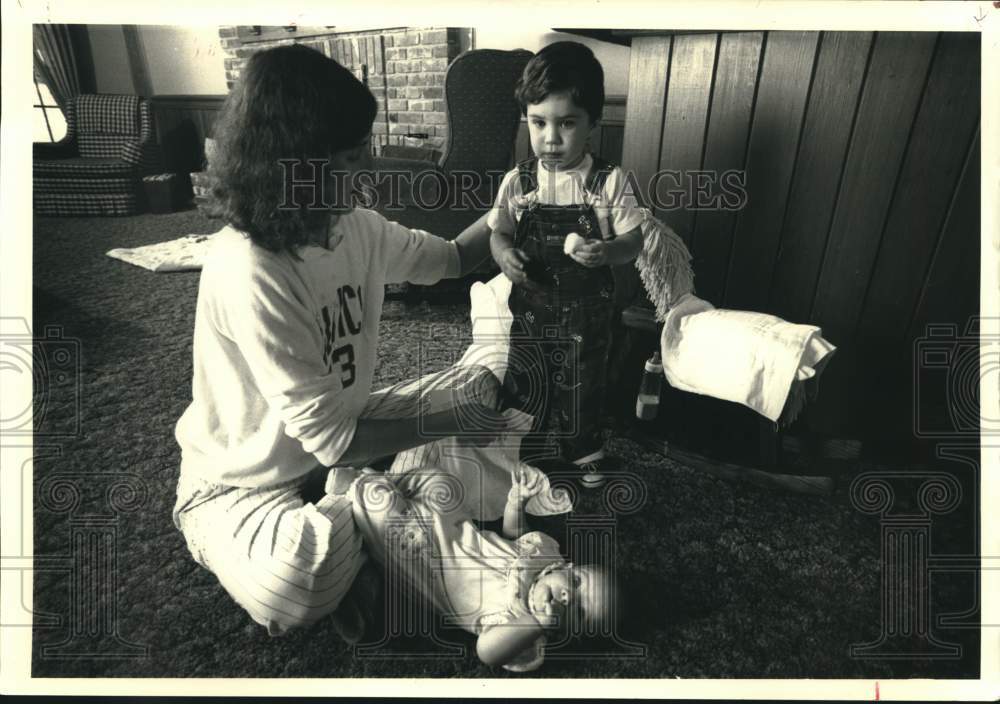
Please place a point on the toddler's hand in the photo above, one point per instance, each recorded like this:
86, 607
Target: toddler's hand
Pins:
573, 240
591, 254
524, 485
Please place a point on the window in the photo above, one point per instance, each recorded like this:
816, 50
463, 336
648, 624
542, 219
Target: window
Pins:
49, 123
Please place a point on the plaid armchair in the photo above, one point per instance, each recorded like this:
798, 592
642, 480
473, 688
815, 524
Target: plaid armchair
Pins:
97, 168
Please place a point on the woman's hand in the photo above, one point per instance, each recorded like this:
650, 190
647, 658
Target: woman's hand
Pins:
513, 263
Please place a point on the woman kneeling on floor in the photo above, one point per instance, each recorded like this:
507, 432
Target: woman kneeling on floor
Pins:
285, 337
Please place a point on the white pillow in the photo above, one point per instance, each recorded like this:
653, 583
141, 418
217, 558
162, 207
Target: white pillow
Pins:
491, 319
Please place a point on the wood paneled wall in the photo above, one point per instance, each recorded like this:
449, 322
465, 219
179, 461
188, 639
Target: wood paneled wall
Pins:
861, 156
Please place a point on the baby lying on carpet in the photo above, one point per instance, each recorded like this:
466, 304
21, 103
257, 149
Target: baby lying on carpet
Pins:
514, 591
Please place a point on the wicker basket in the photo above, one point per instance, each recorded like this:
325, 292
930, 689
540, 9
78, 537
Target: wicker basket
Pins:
201, 186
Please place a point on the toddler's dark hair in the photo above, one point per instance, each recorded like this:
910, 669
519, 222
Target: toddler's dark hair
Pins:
291, 102
560, 66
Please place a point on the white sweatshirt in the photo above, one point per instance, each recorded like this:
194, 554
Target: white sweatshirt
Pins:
284, 350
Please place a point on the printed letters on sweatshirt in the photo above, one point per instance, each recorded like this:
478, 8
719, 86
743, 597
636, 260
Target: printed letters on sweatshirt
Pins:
342, 321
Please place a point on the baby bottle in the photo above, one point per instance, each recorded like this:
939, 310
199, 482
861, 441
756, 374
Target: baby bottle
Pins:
648, 402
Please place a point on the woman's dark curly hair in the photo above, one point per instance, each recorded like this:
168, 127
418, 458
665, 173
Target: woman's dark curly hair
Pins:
291, 102
560, 66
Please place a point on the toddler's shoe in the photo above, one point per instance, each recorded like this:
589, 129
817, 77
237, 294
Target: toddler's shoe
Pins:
362, 609
348, 621
368, 592
595, 466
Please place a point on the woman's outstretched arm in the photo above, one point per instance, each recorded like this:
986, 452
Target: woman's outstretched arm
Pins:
377, 437
473, 245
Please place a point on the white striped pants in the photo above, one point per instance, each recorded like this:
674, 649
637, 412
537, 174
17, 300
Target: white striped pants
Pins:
289, 562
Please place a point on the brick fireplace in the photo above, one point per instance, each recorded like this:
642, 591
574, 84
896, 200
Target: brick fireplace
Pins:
403, 67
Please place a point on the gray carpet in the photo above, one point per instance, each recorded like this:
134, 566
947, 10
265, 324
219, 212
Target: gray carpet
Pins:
721, 579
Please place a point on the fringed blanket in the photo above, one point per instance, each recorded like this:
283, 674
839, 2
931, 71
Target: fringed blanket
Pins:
755, 359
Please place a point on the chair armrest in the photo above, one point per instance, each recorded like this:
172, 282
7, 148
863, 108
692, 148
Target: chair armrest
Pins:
402, 151
640, 318
406, 185
144, 155
63, 149
393, 163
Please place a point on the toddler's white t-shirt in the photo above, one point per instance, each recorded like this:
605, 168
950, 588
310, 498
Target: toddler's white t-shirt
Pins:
567, 188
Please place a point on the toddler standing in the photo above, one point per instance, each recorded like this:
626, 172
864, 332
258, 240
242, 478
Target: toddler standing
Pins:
560, 223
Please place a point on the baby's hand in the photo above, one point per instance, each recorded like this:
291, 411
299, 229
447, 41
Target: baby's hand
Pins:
524, 485
554, 615
591, 254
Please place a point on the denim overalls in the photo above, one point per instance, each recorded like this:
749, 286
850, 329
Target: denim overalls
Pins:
560, 337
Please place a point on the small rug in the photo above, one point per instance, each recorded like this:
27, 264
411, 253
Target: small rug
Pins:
182, 254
